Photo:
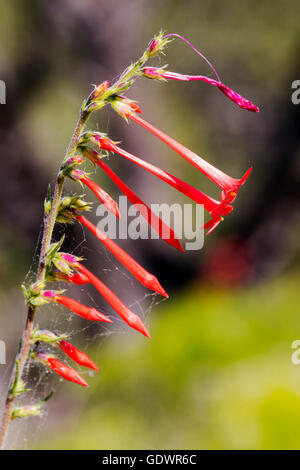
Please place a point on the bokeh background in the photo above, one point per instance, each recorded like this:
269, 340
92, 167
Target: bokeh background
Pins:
217, 373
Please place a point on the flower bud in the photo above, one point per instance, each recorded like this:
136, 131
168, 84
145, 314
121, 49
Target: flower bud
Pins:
25, 412
47, 336
100, 89
29, 410
156, 45
124, 106
153, 73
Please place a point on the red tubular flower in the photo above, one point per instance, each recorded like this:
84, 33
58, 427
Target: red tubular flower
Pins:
193, 193
164, 231
75, 278
102, 195
124, 106
221, 208
66, 372
78, 279
89, 313
156, 73
227, 183
127, 315
78, 356
146, 278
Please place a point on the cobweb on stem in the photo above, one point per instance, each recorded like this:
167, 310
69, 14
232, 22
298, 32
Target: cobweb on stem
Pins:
25, 433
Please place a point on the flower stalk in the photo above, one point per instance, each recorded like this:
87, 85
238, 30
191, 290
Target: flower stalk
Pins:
49, 223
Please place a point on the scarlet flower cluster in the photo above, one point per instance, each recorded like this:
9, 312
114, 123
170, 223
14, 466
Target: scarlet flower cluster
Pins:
94, 146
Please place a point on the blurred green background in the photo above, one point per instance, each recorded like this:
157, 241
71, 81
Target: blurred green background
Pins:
217, 373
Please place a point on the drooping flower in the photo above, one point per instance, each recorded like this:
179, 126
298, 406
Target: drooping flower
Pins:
146, 278
76, 355
102, 195
164, 231
162, 74
89, 313
124, 106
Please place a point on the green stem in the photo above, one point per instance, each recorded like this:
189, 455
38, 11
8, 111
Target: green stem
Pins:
49, 223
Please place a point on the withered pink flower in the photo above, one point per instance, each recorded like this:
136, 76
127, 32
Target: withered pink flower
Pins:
158, 74
161, 74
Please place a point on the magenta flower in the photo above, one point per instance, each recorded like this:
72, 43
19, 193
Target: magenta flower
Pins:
161, 74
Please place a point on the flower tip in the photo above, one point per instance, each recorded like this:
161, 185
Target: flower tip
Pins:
138, 325
65, 371
174, 242
160, 290
146, 333
247, 105
211, 225
116, 211
164, 293
83, 383
100, 316
252, 107
246, 175
179, 246
155, 285
91, 365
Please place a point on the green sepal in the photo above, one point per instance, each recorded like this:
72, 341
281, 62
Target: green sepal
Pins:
69, 204
30, 410
54, 249
62, 265
18, 385
46, 337
33, 294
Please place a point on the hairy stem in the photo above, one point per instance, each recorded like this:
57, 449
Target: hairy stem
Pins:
49, 223
130, 73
